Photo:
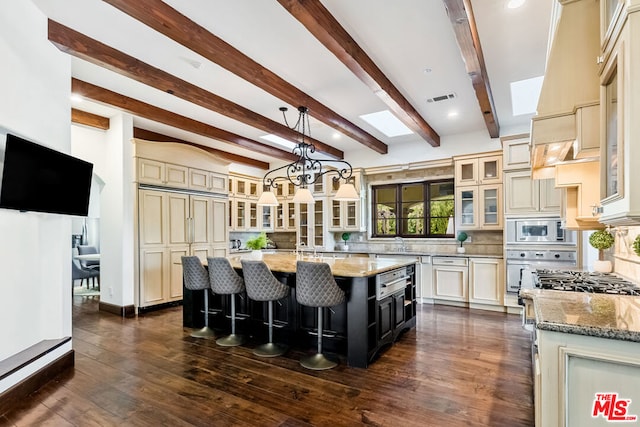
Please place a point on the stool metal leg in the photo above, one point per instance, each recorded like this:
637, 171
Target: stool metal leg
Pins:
270, 349
233, 339
205, 332
318, 361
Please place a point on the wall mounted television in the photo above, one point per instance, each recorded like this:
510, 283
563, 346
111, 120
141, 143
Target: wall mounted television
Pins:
39, 179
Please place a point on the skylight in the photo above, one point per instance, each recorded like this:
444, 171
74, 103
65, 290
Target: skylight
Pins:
387, 123
285, 143
524, 95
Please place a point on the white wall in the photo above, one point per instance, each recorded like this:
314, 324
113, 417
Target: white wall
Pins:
111, 153
35, 253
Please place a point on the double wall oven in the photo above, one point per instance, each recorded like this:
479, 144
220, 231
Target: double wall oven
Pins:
533, 243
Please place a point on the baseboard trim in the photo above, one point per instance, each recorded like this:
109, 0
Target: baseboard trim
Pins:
14, 395
118, 310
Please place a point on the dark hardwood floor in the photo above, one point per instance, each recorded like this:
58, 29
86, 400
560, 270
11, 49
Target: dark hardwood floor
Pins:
458, 367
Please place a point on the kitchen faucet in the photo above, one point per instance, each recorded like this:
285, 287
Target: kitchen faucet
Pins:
403, 247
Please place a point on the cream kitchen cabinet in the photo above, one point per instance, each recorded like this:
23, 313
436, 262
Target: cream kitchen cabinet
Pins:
619, 98
245, 214
172, 225
164, 174
179, 220
476, 282
450, 279
486, 282
345, 216
478, 170
312, 224
179, 176
479, 207
526, 196
241, 186
207, 181
285, 219
267, 218
516, 152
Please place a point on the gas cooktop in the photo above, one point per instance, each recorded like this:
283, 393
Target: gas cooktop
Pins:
583, 281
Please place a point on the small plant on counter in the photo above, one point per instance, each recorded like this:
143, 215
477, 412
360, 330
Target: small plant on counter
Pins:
461, 237
345, 237
636, 245
601, 240
258, 242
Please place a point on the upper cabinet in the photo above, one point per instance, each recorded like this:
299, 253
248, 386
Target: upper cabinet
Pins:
478, 183
620, 99
478, 170
526, 196
516, 152
174, 165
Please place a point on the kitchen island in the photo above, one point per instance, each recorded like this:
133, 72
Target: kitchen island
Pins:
586, 356
366, 323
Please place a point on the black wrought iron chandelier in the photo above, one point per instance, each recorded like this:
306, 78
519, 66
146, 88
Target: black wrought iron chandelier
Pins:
306, 170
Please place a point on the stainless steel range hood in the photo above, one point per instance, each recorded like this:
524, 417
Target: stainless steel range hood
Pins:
566, 127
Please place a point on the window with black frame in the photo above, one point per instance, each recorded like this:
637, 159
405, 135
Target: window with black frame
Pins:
418, 209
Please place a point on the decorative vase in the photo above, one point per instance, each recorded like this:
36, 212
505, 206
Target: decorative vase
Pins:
461, 249
602, 266
256, 254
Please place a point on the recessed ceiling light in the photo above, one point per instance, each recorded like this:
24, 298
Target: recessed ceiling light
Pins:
336, 135
514, 4
427, 70
452, 114
387, 123
76, 98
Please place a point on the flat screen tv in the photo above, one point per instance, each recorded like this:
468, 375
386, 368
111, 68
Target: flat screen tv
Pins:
37, 178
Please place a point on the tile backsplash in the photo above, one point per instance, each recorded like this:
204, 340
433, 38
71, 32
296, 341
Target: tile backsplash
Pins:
626, 261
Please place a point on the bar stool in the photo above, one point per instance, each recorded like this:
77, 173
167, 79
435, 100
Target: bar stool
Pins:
225, 281
316, 287
263, 286
196, 279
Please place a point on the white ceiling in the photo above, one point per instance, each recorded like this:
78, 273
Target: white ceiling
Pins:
403, 38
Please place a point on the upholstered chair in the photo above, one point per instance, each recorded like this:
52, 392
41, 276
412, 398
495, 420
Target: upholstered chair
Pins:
196, 279
262, 285
316, 287
225, 281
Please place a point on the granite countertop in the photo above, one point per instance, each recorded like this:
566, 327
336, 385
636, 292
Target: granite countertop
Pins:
341, 267
411, 253
593, 314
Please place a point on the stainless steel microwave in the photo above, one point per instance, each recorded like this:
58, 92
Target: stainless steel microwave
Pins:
538, 231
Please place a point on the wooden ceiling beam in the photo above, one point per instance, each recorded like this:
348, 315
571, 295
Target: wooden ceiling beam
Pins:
464, 26
168, 21
234, 158
151, 112
95, 52
324, 27
89, 119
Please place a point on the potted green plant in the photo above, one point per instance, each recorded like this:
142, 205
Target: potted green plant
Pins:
345, 237
256, 244
461, 237
601, 240
636, 245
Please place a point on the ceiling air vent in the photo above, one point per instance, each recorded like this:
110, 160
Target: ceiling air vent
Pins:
441, 98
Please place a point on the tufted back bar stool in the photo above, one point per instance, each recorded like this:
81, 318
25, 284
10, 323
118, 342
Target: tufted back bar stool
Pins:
196, 279
316, 287
263, 286
225, 281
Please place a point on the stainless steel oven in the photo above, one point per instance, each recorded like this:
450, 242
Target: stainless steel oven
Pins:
521, 263
539, 231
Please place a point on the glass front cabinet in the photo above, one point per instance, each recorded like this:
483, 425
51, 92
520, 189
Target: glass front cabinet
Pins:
620, 129
479, 207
